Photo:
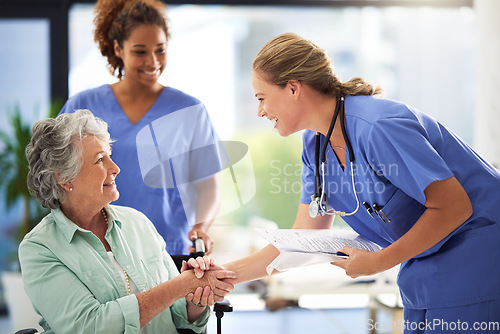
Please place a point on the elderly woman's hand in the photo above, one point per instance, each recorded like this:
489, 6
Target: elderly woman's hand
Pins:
201, 297
199, 265
217, 279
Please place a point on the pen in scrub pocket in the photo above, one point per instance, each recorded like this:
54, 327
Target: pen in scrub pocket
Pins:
378, 211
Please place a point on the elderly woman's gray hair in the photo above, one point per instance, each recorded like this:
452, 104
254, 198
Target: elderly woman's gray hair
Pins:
55, 154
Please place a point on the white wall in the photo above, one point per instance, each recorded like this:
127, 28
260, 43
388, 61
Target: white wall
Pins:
487, 116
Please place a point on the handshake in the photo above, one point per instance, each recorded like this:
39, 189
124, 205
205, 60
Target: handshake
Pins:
209, 283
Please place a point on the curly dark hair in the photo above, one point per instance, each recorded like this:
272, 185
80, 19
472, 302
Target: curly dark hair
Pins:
115, 20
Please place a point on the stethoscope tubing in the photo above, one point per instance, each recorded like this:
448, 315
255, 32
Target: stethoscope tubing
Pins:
321, 155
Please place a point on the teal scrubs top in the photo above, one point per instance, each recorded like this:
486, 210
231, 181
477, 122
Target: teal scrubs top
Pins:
398, 152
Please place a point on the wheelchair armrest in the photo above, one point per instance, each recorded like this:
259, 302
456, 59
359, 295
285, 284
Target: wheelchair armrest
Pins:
223, 306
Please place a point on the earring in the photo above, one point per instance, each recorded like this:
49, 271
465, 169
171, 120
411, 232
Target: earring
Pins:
70, 188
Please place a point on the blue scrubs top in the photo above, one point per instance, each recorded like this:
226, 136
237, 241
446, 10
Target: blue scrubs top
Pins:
398, 152
155, 156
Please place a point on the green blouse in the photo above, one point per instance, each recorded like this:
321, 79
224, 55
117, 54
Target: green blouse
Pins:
74, 286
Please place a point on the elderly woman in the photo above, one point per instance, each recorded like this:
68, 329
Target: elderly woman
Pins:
91, 267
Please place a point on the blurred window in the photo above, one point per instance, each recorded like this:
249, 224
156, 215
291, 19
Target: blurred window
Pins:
422, 56
24, 85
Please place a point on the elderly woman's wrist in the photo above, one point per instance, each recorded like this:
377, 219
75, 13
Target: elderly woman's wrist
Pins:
191, 282
197, 304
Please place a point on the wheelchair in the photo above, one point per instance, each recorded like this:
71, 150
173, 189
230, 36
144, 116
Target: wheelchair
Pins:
219, 308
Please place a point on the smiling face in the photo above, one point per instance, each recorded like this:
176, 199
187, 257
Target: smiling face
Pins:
144, 54
278, 104
95, 184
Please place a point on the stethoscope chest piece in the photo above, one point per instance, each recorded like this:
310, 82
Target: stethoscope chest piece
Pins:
318, 206
313, 209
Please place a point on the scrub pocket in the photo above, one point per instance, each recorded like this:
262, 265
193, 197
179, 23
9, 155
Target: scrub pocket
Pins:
403, 211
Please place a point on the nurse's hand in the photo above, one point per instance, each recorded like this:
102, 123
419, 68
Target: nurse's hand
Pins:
197, 232
359, 263
218, 281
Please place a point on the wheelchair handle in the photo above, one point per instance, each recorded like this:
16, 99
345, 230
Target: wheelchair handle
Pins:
199, 247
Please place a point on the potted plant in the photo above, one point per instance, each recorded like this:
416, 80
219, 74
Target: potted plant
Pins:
15, 170
13, 183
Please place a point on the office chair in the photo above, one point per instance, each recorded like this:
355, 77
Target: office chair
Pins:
219, 308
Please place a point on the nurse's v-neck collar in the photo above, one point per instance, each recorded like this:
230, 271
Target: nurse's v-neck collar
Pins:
347, 162
122, 113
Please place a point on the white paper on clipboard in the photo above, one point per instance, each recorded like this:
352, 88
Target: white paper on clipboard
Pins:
300, 247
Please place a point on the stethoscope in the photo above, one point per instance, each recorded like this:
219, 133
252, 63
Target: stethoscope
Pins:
318, 205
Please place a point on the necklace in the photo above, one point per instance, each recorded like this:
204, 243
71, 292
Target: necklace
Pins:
105, 216
127, 279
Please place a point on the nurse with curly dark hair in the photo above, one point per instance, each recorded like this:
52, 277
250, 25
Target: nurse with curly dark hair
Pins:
157, 129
